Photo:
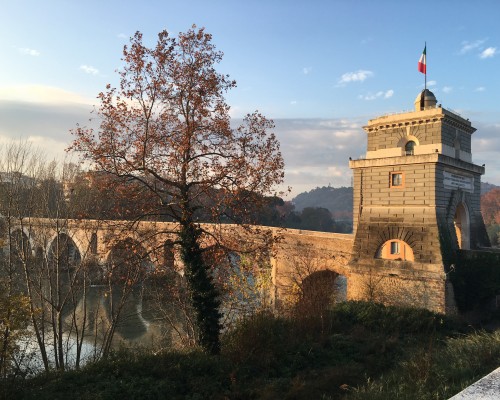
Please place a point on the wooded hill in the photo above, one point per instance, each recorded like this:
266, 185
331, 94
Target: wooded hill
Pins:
336, 200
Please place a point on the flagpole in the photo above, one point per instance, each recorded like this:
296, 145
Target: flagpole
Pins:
425, 75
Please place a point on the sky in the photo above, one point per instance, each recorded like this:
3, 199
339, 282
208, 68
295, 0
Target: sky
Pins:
320, 69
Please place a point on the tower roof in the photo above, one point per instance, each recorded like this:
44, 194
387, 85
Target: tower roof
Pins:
425, 100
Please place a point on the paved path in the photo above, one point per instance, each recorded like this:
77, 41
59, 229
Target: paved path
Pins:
487, 388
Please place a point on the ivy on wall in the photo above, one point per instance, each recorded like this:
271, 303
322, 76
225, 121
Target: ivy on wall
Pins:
475, 278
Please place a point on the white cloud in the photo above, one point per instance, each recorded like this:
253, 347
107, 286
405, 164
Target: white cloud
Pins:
41, 94
380, 94
431, 83
121, 36
28, 52
357, 76
480, 89
307, 70
346, 134
293, 102
489, 52
469, 46
89, 69
447, 89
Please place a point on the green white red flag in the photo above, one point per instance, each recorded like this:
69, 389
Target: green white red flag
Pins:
422, 63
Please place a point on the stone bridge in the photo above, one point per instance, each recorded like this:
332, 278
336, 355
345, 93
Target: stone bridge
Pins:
294, 257
298, 261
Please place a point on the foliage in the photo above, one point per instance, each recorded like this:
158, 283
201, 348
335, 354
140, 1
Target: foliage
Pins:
493, 232
412, 354
490, 207
476, 279
14, 319
436, 371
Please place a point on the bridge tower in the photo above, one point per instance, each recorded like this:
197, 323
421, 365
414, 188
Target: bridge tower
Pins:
416, 202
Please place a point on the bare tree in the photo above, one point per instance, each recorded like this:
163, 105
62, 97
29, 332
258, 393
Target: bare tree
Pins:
44, 269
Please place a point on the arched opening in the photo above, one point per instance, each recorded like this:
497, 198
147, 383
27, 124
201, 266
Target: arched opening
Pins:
462, 226
320, 290
410, 147
63, 252
395, 249
128, 262
93, 244
168, 254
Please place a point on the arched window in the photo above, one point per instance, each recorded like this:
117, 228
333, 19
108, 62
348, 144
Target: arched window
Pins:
395, 249
409, 147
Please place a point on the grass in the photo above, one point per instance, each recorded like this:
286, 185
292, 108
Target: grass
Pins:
356, 351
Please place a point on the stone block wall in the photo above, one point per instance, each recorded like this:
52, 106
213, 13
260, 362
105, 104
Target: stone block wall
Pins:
400, 283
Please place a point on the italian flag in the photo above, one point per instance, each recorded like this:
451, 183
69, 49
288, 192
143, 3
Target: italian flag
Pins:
422, 64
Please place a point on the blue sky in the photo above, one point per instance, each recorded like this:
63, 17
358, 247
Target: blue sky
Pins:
319, 68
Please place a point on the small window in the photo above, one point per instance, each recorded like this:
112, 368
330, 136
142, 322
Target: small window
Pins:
409, 148
394, 247
397, 179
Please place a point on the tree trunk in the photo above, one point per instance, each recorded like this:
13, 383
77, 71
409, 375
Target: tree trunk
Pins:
205, 296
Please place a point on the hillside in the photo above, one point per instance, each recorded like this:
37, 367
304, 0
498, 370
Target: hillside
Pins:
486, 187
337, 200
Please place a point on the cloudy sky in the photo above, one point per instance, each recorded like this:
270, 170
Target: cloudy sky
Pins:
320, 68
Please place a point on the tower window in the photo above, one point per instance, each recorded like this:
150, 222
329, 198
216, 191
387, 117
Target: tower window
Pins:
409, 148
394, 247
396, 179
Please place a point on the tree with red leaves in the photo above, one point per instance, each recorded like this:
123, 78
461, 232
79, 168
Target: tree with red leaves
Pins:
168, 129
490, 207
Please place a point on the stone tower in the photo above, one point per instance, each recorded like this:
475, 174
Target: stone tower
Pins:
416, 202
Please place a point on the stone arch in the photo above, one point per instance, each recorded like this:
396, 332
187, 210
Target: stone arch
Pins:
461, 223
63, 251
320, 290
128, 261
63, 234
408, 141
395, 249
403, 235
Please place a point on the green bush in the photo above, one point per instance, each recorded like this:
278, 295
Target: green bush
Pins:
390, 320
437, 371
357, 350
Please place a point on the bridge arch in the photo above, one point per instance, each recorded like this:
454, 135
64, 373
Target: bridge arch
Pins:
320, 290
128, 261
64, 251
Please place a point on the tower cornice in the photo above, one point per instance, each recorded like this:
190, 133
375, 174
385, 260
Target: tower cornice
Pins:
416, 118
